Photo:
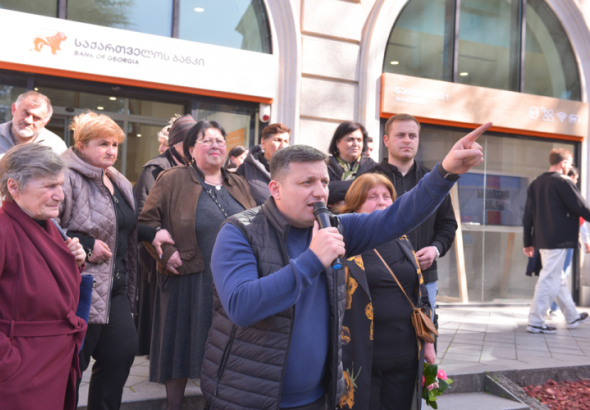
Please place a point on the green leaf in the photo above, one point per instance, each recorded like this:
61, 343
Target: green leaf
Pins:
431, 371
449, 381
434, 405
442, 385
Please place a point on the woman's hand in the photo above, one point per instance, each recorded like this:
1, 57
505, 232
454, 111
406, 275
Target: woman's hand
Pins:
174, 262
429, 353
100, 253
162, 236
77, 250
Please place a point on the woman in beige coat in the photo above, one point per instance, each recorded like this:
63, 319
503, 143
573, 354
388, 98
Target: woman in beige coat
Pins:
99, 209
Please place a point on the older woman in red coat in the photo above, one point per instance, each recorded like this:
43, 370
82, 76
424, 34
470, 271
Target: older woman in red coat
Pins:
40, 334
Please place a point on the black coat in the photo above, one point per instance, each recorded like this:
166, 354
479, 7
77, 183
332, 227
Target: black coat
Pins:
552, 212
438, 230
255, 172
339, 188
149, 174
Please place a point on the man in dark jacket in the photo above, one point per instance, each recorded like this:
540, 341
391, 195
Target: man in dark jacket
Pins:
433, 238
256, 166
275, 341
551, 224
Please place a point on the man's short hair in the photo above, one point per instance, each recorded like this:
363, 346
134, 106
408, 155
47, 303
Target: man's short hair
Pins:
37, 99
369, 139
279, 164
559, 154
273, 129
400, 117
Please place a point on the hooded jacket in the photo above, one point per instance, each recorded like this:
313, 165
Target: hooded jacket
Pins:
255, 172
88, 209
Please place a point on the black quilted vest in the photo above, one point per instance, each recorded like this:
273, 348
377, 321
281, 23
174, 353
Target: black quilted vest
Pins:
244, 367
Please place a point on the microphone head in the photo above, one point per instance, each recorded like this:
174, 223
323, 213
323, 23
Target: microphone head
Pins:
319, 207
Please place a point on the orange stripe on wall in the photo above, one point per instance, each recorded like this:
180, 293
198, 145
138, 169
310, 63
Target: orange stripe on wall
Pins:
133, 83
498, 129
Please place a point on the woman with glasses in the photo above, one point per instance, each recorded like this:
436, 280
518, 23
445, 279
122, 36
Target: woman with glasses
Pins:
191, 202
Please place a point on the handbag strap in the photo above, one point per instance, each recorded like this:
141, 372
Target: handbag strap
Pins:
390, 271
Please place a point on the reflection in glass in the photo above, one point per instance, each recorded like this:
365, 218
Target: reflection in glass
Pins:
10, 89
238, 24
492, 193
485, 33
42, 8
237, 122
145, 16
421, 40
550, 65
155, 109
142, 146
58, 125
98, 103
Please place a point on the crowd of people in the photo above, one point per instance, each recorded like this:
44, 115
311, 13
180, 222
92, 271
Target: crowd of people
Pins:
213, 264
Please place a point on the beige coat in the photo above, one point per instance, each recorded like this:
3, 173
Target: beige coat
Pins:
88, 209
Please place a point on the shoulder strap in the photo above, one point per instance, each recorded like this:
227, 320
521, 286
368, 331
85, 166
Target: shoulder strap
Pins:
390, 271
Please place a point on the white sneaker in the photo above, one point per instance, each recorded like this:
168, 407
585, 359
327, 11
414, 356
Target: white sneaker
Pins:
551, 314
582, 317
541, 329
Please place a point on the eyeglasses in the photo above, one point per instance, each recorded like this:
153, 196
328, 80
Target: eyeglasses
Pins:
210, 143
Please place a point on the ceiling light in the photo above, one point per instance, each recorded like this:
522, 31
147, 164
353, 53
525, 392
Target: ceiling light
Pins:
199, 9
113, 98
36, 89
139, 135
100, 108
464, 74
394, 62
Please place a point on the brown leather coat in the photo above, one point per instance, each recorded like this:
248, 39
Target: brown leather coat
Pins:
88, 209
172, 205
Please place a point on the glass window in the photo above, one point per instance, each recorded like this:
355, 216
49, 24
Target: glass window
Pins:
42, 8
10, 89
142, 146
484, 59
550, 65
240, 123
155, 109
146, 16
491, 199
421, 40
231, 23
85, 101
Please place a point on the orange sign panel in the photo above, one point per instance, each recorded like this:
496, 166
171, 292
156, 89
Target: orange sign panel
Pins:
460, 103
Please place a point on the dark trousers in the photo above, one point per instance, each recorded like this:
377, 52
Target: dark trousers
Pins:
393, 382
113, 347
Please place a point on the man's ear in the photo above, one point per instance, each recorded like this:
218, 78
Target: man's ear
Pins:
386, 140
275, 189
13, 109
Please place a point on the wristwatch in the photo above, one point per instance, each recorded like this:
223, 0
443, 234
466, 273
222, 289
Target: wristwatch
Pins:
445, 174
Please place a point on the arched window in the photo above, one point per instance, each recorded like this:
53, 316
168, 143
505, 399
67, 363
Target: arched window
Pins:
241, 24
482, 43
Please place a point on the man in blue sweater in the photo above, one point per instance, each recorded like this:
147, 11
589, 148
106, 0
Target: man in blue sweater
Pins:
275, 338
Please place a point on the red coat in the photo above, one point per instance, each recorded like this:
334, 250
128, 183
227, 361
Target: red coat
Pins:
39, 332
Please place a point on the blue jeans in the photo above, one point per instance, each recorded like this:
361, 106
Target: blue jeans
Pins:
432, 288
566, 269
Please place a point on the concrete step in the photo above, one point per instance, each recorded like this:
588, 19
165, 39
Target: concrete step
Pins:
475, 401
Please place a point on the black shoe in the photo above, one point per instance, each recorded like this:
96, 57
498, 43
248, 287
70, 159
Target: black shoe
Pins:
582, 317
541, 329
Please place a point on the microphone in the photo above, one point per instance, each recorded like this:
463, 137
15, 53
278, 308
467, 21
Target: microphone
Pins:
320, 212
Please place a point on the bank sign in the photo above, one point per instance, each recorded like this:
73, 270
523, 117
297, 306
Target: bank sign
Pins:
56, 44
465, 104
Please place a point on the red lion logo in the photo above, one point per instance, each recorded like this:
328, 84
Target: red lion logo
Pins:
53, 42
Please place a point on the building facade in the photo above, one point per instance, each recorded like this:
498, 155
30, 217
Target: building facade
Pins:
454, 64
